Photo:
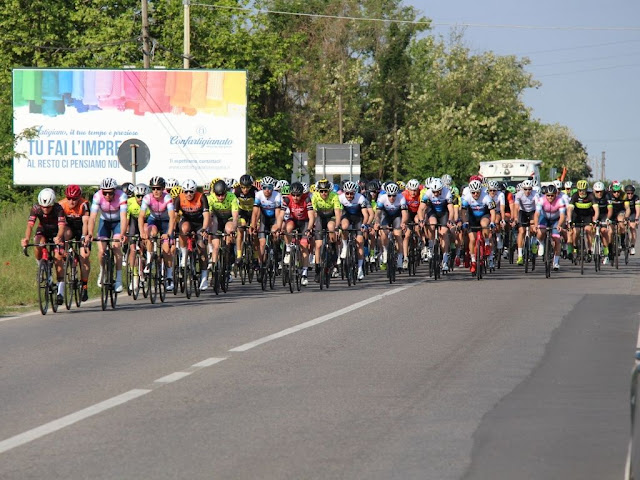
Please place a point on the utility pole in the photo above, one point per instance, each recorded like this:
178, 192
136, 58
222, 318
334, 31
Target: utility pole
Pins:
187, 32
146, 43
602, 165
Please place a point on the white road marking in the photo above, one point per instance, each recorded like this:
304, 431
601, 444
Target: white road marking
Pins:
319, 320
173, 377
208, 362
63, 422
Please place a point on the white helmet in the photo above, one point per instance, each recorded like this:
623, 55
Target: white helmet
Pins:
392, 189
518, 187
413, 184
141, 189
189, 185
270, 181
305, 187
436, 185
46, 197
170, 183
475, 186
493, 185
350, 187
427, 181
568, 184
230, 182
446, 179
108, 184
598, 187
557, 184
527, 184
280, 184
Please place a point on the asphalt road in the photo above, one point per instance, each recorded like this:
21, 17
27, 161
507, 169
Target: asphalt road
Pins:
512, 377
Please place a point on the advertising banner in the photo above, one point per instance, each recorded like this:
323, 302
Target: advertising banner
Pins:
194, 123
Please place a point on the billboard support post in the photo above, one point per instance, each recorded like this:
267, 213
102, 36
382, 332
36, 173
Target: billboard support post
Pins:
134, 150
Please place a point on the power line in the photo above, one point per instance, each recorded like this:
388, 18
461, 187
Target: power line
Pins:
421, 22
588, 70
592, 59
578, 47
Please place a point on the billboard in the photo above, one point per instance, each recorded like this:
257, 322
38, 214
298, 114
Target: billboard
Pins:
194, 123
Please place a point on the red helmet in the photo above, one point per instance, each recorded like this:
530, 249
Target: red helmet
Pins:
475, 177
73, 192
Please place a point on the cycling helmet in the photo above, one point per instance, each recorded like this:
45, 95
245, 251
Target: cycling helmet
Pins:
323, 184
413, 184
140, 189
312, 188
427, 181
557, 184
598, 187
446, 179
511, 189
280, 184
518, 187
246, 180
73, 192
401, 185
474, 178
582, 185
268, 182
544, 190
219, 188
552, 189
527, 184
392, 189
455, 191
46, 197
229, 183
175, 191
335, 187
373, 186
206, 188
127, 187
436, 185
475, 186
305, 187
568, 184
536, 188
616, 186
630, 189
108, 184
285, 189
350, 187
493, 185
297, 188
189, 185
172, 182
157, 182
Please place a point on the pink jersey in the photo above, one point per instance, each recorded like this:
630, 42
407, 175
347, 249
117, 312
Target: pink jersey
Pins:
109, 209
551, 210
159, 207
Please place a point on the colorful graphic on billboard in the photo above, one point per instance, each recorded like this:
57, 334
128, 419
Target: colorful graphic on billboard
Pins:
193, 121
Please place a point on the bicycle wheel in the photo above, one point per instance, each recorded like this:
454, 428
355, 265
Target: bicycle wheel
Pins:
437, 260
625, 246
324, 265
264, 276
177, 274
68, 280
616, 247
391, 259
548, 255
272, 269
113, 295
353, 253
597, 249
479, 256
104, 289
43, 286
526, 252
53, 294
583, 250
134, 276
298, 272
152, 280
187, 275
161, 272
289, 271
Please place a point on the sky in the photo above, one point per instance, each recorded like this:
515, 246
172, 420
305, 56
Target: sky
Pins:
589, 76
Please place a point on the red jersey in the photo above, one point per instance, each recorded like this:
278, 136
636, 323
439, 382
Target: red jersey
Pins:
413, 203
298, 210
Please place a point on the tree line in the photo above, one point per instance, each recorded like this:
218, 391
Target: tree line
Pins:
418, 104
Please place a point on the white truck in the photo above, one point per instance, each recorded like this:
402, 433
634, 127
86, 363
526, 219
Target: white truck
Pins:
511, 171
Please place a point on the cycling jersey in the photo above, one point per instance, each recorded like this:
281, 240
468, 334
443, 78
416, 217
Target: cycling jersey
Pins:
298, 208
603, 204
618, 205
159, 208
109, 209
223, 209
478, 207
192, 210
48, 222
74, 214
498, 199
245, 200
437, 204
392, 208
133, 209
354, 207
326, 208
413, 201
526, 203
551, 210
583, 205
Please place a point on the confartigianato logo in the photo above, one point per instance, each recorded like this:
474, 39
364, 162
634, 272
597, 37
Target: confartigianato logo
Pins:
202, 142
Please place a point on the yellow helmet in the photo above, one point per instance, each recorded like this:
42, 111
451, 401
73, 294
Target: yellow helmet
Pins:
582, 185
213, 182
312, 188
175, 191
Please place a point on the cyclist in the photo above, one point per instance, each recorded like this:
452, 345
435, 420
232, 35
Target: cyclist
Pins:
245, 192
498, 197
111, 203
601, 197
51, 229
301, 217
412, 196
583, 210
525, 209
161, 220
551, 213
195, 218
634, 205
268, 210
133, 228
357, 215
328, 208
392, 212
619, 209
478, 210
436, 209
224, 216
76, 211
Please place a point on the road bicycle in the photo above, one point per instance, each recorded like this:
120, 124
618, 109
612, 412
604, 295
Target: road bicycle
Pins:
292, 268
328, 256
47, 287
191, 271
108, 280
72, 280
246, 260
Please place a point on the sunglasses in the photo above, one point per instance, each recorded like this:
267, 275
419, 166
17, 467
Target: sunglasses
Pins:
351, 194
108, 192
139, 196
551, 194
157, 189
296, 194
221, 195
189, 191
494, 191
323, 191
267, 187
527, 189
392, 196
